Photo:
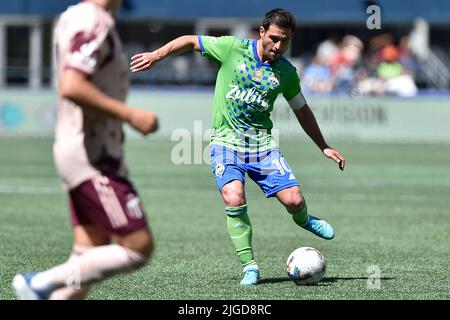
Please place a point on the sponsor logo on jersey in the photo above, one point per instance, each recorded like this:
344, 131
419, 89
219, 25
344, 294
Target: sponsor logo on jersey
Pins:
249, 96
84, 49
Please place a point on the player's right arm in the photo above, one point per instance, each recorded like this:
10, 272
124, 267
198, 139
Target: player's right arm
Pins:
146, 60
80, 34
76, 87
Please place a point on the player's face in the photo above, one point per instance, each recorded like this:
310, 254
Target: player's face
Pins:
275, 41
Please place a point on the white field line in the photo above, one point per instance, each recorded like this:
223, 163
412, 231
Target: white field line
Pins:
306, 183
319, 196
14, 189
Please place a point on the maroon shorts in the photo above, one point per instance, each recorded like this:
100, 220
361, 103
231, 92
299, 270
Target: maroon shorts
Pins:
109, 203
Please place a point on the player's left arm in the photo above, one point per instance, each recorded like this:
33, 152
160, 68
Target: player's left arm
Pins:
309, 124
293, 95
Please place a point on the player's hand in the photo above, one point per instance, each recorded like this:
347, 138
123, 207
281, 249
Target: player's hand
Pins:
143, 61
143, 121
336, 156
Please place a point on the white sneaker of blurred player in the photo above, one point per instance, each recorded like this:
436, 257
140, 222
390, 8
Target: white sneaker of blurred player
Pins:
23, 290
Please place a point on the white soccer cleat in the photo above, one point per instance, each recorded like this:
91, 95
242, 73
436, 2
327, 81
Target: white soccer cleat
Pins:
22, 288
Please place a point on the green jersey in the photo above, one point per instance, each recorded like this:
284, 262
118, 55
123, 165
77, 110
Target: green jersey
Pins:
245, 92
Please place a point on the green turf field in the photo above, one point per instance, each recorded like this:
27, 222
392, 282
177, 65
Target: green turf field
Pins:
390, 209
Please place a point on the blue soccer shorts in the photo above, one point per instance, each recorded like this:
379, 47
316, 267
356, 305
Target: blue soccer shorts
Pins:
267, 168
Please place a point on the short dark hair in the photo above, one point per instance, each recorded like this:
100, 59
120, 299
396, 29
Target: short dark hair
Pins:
280, 18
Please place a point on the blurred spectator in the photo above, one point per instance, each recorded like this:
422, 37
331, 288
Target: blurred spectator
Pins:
343, 63
317, 77
367, 79
348, 54
384, 68
327, 48
405, 56
397, 81
376, 44
390, 67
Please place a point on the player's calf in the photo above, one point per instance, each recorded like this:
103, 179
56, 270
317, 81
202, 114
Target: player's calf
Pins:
95, 265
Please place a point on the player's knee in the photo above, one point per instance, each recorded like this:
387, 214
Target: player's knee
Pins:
295, 203
233, 198
140, 252
137, 259
146, 248
235, 201
140, 241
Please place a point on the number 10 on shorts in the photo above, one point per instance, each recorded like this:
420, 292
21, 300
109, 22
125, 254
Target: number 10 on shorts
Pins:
282, 166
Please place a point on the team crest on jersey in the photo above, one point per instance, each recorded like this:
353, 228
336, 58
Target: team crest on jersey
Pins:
220, 168
258, 75
274, 82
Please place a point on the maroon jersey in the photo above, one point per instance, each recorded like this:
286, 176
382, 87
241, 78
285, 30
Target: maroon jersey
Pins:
88, 143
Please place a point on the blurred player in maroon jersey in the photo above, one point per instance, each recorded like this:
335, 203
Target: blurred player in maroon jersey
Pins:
88, 153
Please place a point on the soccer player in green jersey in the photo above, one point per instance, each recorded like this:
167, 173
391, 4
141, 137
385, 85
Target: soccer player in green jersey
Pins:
252, 74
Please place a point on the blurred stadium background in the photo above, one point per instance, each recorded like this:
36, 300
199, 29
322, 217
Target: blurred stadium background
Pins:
381, 96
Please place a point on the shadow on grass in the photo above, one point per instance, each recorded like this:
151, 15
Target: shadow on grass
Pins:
337, 279
274, 280
327, 281
324, 282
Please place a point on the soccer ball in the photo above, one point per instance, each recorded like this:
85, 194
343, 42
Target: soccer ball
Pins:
306, 266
